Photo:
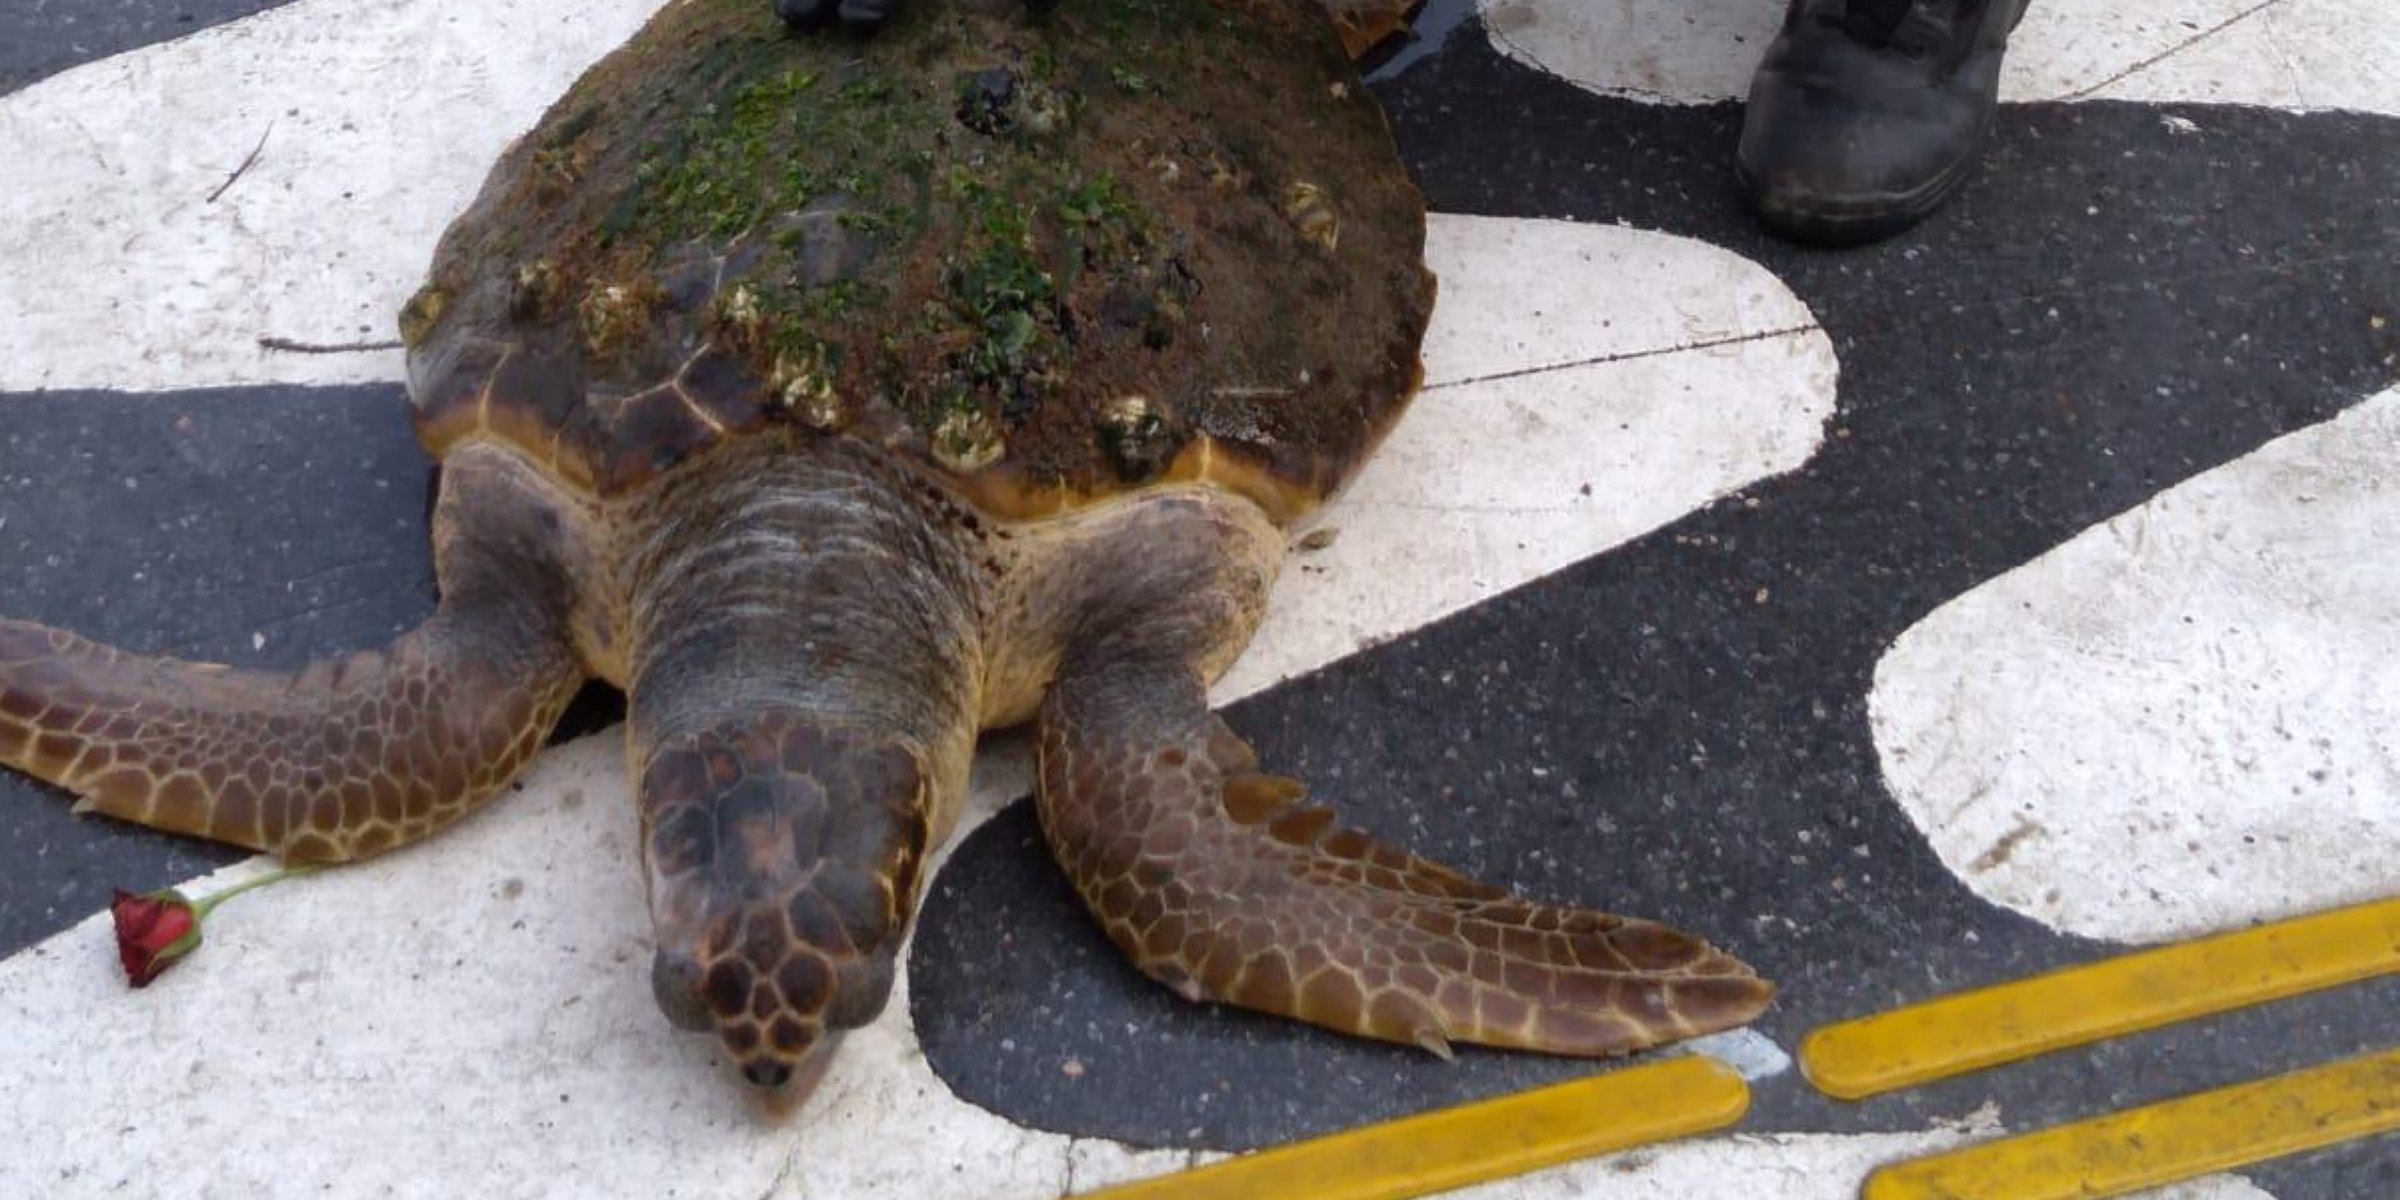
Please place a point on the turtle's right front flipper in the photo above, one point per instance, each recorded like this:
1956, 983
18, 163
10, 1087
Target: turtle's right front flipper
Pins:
1216, 880
335, 762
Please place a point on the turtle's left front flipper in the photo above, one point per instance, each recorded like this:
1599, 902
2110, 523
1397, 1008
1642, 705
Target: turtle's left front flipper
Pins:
1219, 882
338, 761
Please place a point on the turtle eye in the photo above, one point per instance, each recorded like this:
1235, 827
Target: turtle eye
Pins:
675, 983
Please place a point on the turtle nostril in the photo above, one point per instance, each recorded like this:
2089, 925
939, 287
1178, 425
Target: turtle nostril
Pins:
768, 1074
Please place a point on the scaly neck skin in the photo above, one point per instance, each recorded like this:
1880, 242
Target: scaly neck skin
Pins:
805, 679
814, 582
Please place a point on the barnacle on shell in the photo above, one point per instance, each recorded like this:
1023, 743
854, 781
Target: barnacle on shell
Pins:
534, 289
422, 312
804, 384
1304, 204
1139, 436
613, 315
968, 440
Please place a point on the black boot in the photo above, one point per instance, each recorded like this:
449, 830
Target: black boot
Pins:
809, 14
1866, 114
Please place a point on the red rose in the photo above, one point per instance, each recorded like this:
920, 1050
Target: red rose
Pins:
152, 932
155, 930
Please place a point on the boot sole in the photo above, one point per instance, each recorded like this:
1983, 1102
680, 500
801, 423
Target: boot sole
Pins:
1840, 222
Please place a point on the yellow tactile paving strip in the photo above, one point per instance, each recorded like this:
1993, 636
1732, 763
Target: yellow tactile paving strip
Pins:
2109, 1155
1972, 1030
1474, 1143
2180, 1139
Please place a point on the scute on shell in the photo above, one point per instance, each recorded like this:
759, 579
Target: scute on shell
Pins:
1045, 260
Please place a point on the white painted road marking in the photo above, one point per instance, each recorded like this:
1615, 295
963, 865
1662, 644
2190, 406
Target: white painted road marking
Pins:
384, 119
2197, 693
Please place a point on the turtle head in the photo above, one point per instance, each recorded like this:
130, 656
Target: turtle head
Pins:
782, 857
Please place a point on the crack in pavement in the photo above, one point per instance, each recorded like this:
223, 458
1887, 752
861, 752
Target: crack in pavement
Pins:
1601, 360
1886, 323
2172, 51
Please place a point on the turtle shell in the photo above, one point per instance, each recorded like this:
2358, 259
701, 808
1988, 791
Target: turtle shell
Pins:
1046, 259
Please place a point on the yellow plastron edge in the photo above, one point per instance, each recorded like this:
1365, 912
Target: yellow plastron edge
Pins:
2180, 1139
1474, 1143
2133, 992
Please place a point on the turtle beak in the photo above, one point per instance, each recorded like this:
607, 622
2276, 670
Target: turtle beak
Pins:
676, 979
793, 1081
782, 1086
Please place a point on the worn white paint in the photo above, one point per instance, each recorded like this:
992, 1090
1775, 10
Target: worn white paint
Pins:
380, 120
2183, 719
2309, 54
2287, 53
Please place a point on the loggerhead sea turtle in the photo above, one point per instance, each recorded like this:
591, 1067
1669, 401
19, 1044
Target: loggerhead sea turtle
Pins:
838, 400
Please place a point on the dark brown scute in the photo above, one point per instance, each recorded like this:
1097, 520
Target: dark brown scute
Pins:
721, 385
654, 431
1173, 239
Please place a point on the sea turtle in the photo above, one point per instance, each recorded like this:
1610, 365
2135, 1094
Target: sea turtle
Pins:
838, 400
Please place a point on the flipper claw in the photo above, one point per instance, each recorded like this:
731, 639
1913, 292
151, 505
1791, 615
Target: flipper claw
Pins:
1433, 1043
